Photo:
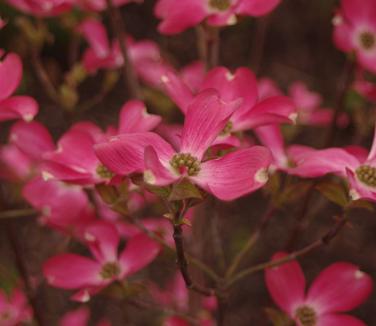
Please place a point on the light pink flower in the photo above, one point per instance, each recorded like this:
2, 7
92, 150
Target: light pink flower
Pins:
90, 275
14, 308
79, 317
338, 288
64, 207
355, 31
42, 7
349, 163
14, 107
228, 177
178, 16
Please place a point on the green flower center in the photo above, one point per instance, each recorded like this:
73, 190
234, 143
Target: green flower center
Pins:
227, 129
185, 163
367, 175
110, 270
367, 40
220, 4
103, 172
306, 315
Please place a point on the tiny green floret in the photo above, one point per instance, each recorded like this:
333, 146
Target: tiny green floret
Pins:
185, 163
306, 315
220, 4
110, 270
103, 172
367, 175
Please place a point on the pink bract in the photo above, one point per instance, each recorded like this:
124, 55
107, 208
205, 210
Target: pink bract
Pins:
338, 288
79, 317
355, 31
178, 16
228, 177
349, 163
90, 275
14, 107
14, 308
43, 7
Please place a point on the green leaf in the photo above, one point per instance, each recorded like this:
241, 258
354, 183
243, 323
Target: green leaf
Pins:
184, 189
334, 192
362, 203
278, 318
292, 193
108, 193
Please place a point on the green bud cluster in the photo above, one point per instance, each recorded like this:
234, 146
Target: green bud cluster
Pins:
186, 160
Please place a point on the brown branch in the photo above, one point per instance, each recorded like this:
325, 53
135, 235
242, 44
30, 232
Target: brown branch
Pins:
251, 241
324, 240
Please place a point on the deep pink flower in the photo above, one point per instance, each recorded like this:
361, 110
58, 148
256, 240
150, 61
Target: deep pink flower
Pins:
228, 177
74, 159
350, 163
176, 296
64, 207
355, 31
79, 317
310, 112
178, 16
2, 23
42, 7
338, 288
28, 141
241, 86
90, 275
144, 55
14, 107
14, 309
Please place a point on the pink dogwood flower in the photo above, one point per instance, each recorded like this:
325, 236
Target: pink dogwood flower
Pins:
63, 207
338, 288
90, 275
178, 16
79, 317
74, 159
42, 8
144, 55
241, 86
14, 308
14, 107
176, 296
355, 31
228, 177
349, 163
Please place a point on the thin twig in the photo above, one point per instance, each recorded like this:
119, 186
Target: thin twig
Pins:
208, 45
259, 42
16, 213
251, 241
324, 240
343, 87
130, 79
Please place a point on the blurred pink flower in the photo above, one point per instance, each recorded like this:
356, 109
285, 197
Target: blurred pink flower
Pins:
144, 55
64, 207
74, 159
71, 271
355, 31
179, 15
14, 308
43, 7
79, 317
338, 288
228, 177
350, 163
14, 107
